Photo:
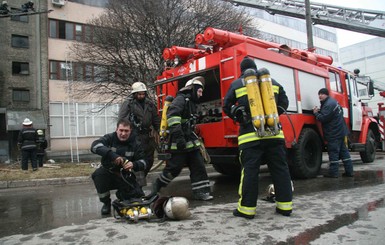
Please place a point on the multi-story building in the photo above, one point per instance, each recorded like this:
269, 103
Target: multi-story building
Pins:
369, 57
23, 74
41, 59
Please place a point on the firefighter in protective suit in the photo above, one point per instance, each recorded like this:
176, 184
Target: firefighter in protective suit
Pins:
253, 148
184, 143
143, 114
121, 154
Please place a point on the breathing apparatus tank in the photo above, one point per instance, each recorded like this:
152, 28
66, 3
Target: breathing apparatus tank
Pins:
163, 123
255, 100
269, 105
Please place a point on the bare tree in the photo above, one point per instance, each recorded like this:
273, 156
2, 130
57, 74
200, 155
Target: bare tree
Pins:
127, 41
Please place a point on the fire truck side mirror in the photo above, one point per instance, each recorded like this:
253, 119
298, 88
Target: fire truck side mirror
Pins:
370, 88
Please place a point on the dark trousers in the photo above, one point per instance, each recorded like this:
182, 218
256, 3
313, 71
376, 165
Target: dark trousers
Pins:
27, 155
337, 151
105, 181
40, 160
274, 153
148, 145
194, 161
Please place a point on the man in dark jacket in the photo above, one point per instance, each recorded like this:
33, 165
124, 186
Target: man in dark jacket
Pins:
121, 155
253, 148
27, 144
335, 131
143, 115
184, 143
41, 144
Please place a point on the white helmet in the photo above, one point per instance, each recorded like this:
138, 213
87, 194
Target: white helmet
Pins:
40, 132
27, 122
138, 87
199, 80
177, 208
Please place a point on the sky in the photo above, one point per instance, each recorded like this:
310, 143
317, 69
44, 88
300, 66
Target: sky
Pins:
346, 38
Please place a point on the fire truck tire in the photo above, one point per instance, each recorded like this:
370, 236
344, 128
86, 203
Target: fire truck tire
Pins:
305, 158
228, 169
369, 154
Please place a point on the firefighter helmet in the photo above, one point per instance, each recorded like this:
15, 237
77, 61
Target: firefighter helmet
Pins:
138, 87
40, 132
177, 208
27, 122
199, 80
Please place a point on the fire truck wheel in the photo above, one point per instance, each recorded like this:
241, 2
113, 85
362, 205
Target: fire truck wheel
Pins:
369, 154
305, 158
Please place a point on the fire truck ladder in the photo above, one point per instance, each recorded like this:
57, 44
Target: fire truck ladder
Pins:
370, 22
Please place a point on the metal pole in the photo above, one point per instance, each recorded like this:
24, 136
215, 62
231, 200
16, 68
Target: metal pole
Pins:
309, 26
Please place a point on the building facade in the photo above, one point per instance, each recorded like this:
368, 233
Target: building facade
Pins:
37, 75
369, 57
23, 74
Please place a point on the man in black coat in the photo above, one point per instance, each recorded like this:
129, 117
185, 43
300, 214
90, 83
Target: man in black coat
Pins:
121, 156
27, 144
335, 131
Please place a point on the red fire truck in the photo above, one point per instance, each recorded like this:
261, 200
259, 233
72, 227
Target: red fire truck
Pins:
217, 56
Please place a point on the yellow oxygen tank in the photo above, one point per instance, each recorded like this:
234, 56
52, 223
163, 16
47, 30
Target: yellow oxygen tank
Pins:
163, 123
267, 93
254, 97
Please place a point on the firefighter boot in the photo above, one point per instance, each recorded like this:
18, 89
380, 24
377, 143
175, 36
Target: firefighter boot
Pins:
106, 209
156, 186
202, 195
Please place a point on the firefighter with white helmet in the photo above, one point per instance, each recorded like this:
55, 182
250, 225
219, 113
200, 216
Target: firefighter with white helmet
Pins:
253, 147
26, 142
141, 111
41, 144
184, 144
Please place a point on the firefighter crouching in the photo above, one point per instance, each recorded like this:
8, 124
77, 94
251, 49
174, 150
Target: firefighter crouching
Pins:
253, 148
184, 143
121, 156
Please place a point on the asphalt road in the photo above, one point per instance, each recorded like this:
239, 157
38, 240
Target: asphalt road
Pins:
326, 211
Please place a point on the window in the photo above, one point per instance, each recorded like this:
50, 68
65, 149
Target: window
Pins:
90, 119
19, 41
20, 95
20, 68
335, 82
69, 31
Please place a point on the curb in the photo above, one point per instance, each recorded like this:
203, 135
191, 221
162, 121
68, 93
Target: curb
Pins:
44, 182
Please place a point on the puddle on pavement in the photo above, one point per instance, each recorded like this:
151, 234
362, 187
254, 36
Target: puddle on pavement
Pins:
361, 178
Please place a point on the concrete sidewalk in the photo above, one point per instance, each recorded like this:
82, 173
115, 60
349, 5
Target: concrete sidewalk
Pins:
314, 215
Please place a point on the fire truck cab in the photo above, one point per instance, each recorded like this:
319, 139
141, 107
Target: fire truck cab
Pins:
217, 58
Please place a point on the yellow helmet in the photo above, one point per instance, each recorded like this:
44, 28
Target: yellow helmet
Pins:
40, 132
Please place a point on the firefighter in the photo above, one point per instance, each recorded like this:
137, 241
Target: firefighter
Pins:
121, 154
27, 144
253, 148
143, 114
41, 143
184, 143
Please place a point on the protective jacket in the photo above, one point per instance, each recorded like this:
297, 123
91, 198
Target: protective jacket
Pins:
41, 144
331, 117
237, 93
143, 116
27, 139
181, 123
109, 147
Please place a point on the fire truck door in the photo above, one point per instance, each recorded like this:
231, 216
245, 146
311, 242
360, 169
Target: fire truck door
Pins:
355, 105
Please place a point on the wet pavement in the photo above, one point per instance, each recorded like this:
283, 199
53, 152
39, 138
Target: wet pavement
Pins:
71, 213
